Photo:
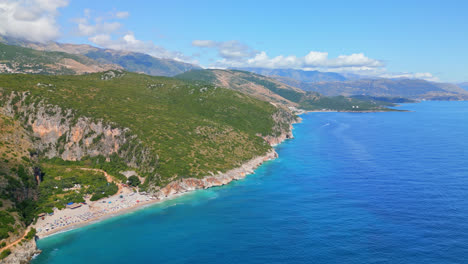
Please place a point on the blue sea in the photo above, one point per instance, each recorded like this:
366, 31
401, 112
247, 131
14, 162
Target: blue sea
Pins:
350, 188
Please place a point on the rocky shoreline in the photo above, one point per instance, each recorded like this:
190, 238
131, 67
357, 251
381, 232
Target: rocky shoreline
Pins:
22, 254
25, 252
171, 191
190, 184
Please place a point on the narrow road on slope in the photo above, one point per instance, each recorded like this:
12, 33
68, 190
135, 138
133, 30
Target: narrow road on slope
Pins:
16, 241
108, 177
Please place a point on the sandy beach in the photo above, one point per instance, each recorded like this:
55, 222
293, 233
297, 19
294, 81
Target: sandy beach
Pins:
127, 200
67, 219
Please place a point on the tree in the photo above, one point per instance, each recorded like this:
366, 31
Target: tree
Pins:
133, 181
31, 234
5, 253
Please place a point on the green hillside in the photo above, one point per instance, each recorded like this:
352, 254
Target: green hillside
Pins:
15, 59
17, 185
208, 76
140, 62
192, 128
102, 59
275, 91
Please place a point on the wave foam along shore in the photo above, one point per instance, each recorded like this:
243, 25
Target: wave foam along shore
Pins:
68, 219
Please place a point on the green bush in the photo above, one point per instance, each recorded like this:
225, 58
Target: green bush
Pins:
7, 222
31, 234
61, 177
133, 181
5, 253
103, 192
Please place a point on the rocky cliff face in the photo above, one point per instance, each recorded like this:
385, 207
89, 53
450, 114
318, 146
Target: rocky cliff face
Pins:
273, 141
283, 126
61, 133
22, 254
282, 130
189, 184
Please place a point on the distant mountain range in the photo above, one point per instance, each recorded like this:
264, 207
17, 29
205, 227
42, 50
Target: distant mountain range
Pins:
334, 84
300, 75
15, 59
130, 61
463, 85
272, 90
246, 82
19, 56
407, 88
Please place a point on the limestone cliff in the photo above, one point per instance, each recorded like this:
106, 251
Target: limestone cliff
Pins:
62, 133
65, 134
283, 119
22, 254
283, 132
190, 184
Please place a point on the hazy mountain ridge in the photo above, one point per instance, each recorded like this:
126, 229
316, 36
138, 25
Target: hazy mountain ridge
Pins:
140, 62
334, 84
130, 61
270, 90
408, 88
242, 81
16, 59
300, 75
463, 85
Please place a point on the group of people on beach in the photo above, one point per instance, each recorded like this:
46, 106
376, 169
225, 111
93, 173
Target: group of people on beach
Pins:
68, 217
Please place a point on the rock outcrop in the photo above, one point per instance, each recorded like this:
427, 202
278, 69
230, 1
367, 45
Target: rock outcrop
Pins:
284, 120
282, 130
61, 133
190, 184
22, 254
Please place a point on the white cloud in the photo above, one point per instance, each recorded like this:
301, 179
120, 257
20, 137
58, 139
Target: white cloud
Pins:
313, 59
204, 43
128, 42
86, 29
125, 42
316, 58
107, 33
122, 15
86, 26
418, 75
229, 50
236, 54
354, 60
33, 20
264, 61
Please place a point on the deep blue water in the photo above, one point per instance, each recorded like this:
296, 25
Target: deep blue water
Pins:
350, 188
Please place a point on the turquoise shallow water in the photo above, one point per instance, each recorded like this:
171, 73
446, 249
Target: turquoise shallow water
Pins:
350, 188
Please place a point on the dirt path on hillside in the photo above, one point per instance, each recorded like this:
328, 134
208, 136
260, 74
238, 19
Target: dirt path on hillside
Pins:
108, 178
16, 241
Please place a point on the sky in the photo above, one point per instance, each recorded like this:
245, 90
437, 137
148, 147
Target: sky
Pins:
414, 39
